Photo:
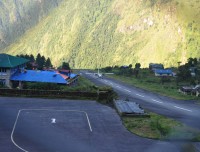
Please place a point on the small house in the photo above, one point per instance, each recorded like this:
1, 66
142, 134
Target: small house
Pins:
155, 66
12, 69
163, 72
10, 65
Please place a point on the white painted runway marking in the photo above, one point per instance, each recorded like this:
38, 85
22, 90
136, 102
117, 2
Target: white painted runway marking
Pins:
118, 87
140, 95
156, 101
182, 108
53, 119
13, 133
88, 122
127, 90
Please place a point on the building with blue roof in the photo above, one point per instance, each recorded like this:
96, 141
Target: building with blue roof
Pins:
9, 65
12, 69
38, 76
163, 72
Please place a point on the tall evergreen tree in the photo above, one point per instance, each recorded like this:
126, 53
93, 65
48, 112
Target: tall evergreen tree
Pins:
48, 63
38, 58
137, 69
65, 66
32, 59
43, 61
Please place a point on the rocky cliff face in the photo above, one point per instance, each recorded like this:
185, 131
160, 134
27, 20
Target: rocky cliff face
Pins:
17, 16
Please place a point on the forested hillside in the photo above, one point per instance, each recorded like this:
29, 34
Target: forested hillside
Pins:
17, 16
91, 33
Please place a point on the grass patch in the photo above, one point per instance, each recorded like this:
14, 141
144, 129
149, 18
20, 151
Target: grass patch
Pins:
148, 81
160, 127
83, 84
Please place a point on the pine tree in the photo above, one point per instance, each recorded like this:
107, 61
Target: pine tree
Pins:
65, 66
38, 58
48, 63
32, 59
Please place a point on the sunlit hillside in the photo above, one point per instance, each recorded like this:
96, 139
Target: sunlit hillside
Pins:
91, 33
17, 16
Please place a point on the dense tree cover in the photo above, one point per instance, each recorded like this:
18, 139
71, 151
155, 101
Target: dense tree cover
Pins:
65, 66
189, 71
120, 70
124, 70
19, 16
39, 62
101, 33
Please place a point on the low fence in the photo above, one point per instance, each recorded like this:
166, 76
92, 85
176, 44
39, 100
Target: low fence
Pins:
102, 95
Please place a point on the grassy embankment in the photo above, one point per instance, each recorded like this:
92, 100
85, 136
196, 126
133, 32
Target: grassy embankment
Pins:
148, 81
82, 84
160, 127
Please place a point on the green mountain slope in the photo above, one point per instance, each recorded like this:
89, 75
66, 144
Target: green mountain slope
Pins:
16, 16
114, 32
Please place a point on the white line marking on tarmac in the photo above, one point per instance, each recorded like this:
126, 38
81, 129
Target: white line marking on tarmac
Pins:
118, 87
13, 133
156, 101
88, 121
183, 108
127, 90
53, 120
140, 95
13, 130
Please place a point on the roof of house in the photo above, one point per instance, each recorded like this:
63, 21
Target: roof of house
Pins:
8, 61
63, 75
159, 71
128, 107
39, 76
67, 73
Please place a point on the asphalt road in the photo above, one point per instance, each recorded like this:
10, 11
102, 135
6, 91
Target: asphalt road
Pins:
55, 125
187, 112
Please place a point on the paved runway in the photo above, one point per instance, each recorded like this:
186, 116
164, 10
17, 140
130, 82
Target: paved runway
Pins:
187, 112
55, 125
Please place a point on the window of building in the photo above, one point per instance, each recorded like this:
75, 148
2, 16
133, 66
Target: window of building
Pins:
2, 82
3, 71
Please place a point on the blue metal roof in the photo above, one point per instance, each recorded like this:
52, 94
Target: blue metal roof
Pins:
39, 76
159, 71
72, 75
